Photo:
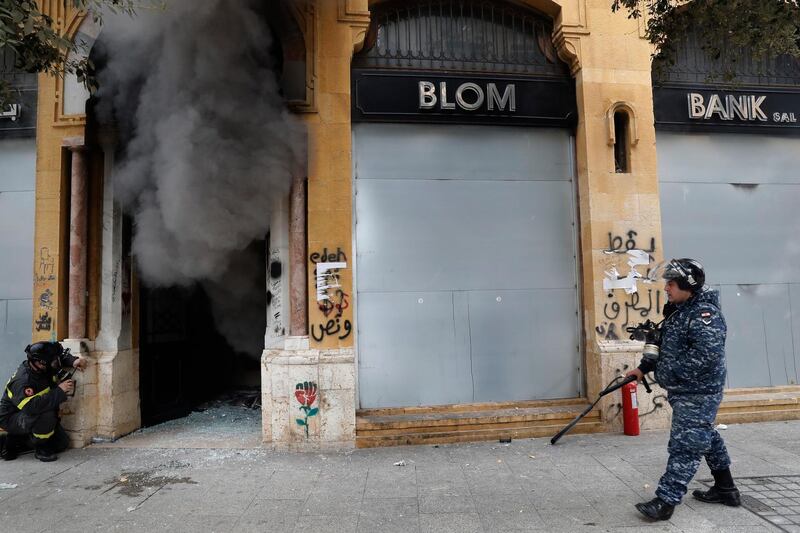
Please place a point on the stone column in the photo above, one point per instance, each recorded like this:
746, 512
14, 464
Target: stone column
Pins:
612, 205
298, 321
78, 238
79, 413
309, 386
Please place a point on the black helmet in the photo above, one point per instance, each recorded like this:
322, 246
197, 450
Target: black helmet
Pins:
47, 353
687, 273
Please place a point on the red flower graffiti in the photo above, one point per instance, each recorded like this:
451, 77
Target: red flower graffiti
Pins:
306, 394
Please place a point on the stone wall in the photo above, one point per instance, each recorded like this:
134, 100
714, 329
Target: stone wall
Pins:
308, 397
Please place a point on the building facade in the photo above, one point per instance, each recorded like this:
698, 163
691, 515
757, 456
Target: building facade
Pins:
486, 183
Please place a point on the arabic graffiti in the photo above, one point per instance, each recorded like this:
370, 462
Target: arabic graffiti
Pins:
608, 331
337, 302
616, 242
627, 302
632, 305
332, 300
330, 328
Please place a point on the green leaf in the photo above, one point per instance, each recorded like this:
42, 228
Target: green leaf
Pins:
313, 411
300, 421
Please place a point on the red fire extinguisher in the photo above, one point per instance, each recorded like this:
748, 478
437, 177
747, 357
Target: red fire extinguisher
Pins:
630, 409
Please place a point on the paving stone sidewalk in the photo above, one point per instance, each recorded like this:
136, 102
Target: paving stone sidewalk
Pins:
584, 483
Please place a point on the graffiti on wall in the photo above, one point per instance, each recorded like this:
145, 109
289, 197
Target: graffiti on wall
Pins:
306, 394
633, 308
658, 402
46, 300
275, 294
626, 302
44, 322
619, 244
332, 300
46, 266
44, 276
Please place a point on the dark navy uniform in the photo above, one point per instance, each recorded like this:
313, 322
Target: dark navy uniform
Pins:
29, 406
691, 367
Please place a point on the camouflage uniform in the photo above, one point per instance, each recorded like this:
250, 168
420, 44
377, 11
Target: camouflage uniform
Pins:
691, 367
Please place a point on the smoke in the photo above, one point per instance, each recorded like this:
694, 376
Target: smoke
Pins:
208, 145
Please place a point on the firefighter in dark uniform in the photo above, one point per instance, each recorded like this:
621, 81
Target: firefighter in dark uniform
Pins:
30, 402
691, 367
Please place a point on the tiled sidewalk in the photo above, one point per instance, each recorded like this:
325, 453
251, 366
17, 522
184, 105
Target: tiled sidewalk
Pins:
584, 483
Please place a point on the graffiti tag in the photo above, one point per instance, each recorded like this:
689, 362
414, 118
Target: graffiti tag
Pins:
44, 322
330, 328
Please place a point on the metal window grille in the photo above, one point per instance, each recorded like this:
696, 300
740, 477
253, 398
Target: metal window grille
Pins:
460, 35
695, 65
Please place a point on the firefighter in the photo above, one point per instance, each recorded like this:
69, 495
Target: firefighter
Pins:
691, 367
30, 402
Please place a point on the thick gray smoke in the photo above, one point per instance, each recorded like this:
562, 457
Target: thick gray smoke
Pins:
208, 145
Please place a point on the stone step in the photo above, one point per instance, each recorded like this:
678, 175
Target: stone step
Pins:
760, 405
449, 424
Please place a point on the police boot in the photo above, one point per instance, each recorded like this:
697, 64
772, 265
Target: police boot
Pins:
724, 490
44, 453
656, 509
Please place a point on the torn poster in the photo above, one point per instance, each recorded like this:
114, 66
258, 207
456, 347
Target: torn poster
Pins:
328, 278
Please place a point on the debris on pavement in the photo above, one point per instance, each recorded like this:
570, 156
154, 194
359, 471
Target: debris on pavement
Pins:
8, 486
400, 463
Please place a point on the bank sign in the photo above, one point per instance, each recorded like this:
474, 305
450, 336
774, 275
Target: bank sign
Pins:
469, 99
739, 110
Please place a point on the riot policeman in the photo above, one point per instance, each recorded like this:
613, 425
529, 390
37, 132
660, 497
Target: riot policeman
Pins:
30, 402
690, 365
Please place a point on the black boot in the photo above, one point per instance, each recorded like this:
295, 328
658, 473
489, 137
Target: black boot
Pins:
724, 490
656, 509
8, 447
44, 453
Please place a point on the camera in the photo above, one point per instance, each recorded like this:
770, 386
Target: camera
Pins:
650, 333
64, 374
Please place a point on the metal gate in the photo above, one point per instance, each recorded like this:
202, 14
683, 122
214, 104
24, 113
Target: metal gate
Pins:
465, 264
731, 201
17, 200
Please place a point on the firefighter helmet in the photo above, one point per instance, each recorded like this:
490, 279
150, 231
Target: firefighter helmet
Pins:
46, 353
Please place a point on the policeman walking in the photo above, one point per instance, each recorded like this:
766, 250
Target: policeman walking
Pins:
691, 367
29, 404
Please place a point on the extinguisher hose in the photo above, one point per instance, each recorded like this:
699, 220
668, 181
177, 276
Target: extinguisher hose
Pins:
616, 383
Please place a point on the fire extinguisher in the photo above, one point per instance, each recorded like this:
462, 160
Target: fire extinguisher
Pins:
630, 409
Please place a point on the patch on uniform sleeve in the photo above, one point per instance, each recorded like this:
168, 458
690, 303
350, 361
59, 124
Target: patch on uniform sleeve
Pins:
28, 391
706, 316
